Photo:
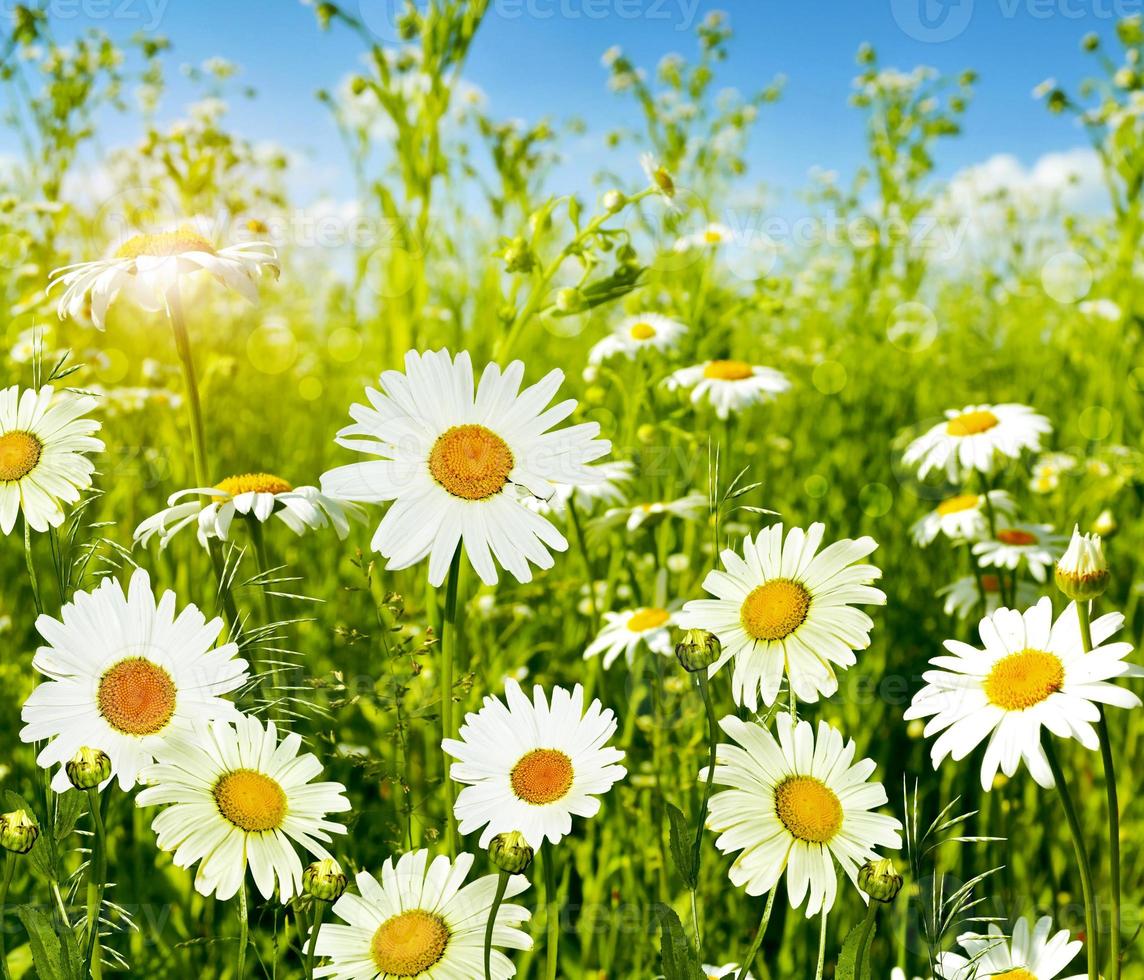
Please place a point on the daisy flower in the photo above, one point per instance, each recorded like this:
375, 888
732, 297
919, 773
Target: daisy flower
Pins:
1035, 544
646, 331
963, 597
728, 971
258, 496
659, 178
730, 386
1027, 956
125, 675
240, 797
44, 439
624, 631
607, 485
798, 804
455, 464
422, 920
692, 508
973, 438
1032, 673
964, 517
711, 236
784, 608
533, 765
145, 267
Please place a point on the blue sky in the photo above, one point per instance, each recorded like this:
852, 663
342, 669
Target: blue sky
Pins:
541, 57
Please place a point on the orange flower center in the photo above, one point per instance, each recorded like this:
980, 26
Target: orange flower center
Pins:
19, 454
471, 462
971, 423
955, 505
409, 943
728, 370
253, 483
1024, 679
648, 619
1013, 536
808, 808
775, 609
542, 776
250, 800
990, 583
642, 331
164, 244
136, 697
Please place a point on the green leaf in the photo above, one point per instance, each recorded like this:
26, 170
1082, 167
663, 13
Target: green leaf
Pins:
681, 851
848, 958
47, 953
679, 960
69, 806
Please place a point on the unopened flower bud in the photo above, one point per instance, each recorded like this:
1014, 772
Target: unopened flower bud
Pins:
510, 852
324, 880
88, 768
1082, 572
570, 300
614, 200
1105, 524
879, 880
698, 650
18, 831
518, 256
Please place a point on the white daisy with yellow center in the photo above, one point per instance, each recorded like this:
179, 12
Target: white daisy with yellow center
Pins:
729, 385
145, 267
645, 331
692, 509
44, 442
456, 462
624, 631
607, 485
710, 237
963, 517
799, 805
1032, 674
1034, 544
241, 798
962, 597
421, 920
783, 608
971, 439
257, 496
533, 765
1034, 954
126, 675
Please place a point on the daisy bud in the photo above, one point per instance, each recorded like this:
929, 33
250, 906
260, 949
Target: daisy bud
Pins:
518, 256
879, 880
570, 300
698, 650
510, 852
614, 200
1105, 524
324, 880
1082, 573
88, 768
18, 831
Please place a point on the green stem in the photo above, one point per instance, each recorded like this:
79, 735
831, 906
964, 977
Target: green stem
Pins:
243, 929
502, 887
713, 741
864, 938
448, 663
96, 882
319, 911
1091, 922
190, 383
822, 949
582, 542
258, 539
552, 912
9, 869
29, 560
746, 967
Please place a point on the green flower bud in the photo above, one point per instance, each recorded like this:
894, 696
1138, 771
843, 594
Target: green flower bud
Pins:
570, 300
1082, 572
614, 200
879, 880
1090, 42
324, 880
18, 831
1105, 524
698, 650
518, 256
88, 768
510, 852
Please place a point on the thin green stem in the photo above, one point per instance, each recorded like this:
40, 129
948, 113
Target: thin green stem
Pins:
190, 383
96, 882
864, 938
712, 743
502, 887
243, 929
582, 542
258, 539
552, 912
319, 911
822, 949
29, 560
9, 869
1092, 925
448, 663
754, 951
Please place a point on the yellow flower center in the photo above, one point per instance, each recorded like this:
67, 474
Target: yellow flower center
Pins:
409, 943
136, 697
642, 331
253, 483
164, 244
1024, 679
250, 800
1018, 974
808, 808
971, 423
1015, 537
955, 505
471, 462
648, 619
713, 236
542, 776
775, 609
19, 454
728, 370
